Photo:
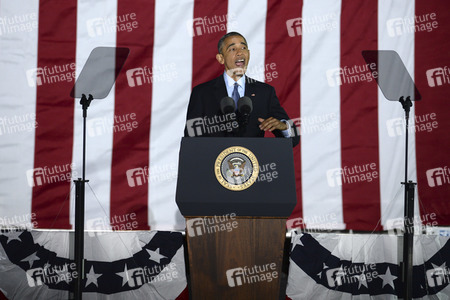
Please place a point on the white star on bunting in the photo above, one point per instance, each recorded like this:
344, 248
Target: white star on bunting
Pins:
362, 280
64, 275
388, 278
155, 256
441, 266
125, 275
13, 235
92, 277
31, 258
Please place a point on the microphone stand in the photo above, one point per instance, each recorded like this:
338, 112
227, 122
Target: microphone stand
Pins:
243, 122
245, 107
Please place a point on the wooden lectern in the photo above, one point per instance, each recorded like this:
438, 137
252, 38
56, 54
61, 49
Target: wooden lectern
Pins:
236, 195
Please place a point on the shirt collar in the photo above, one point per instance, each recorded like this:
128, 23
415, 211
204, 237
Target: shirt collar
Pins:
230, 81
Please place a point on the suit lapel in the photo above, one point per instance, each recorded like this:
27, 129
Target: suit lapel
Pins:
250, 88
220, 89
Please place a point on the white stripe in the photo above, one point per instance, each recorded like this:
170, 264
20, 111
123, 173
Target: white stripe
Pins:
18, 48
95, 26
320, 105
249, 19
392, 136
170, 98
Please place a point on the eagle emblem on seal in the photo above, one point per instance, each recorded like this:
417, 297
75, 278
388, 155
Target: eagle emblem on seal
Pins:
236, 166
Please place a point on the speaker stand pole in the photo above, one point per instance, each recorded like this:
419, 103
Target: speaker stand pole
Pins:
80, 185
408, 237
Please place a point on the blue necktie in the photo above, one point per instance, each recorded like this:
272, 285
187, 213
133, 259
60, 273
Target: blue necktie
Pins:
235, 94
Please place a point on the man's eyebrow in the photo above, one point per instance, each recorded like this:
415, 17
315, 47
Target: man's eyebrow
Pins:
232, 44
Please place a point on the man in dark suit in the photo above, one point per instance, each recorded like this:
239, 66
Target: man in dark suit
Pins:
204, 116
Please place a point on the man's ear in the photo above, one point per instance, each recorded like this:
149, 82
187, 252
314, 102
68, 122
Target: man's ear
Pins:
219, 58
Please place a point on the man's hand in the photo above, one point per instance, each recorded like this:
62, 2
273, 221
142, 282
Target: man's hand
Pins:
271, 124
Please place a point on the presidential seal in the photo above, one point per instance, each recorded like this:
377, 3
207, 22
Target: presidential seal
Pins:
236, 168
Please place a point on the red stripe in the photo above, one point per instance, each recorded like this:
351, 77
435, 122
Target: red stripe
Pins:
279, 45
54, 113
359, 115
432, 145
184, 295
206, 34
131, 148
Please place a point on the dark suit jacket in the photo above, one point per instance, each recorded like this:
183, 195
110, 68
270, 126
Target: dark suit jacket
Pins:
205, 102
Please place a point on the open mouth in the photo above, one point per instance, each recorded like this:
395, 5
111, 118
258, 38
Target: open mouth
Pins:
240, 62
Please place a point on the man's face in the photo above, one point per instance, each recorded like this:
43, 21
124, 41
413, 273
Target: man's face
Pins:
235, 56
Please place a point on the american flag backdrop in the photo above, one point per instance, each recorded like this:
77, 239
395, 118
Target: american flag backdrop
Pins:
350, 160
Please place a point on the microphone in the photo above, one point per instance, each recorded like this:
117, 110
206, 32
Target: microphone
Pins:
245, 107
227, 105
228, 108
